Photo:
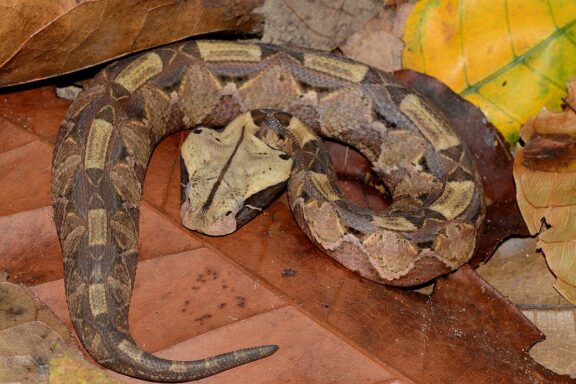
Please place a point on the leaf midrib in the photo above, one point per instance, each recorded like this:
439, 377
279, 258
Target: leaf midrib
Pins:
473, 88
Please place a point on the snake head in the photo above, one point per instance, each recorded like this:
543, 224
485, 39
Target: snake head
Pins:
229, 176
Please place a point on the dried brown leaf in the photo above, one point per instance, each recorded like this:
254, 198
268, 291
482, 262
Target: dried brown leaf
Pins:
379, 42
520, 273
48, 38
25, 351
566, 290
35, 347
557, 352
545, 175
22, 19
321, 24
18, 306
29, 332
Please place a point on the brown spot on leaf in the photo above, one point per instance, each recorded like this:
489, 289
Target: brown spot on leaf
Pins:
288, 272
203, 318
240, 301
551, 153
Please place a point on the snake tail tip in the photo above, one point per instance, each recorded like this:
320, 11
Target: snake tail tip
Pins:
271, 348
267, 350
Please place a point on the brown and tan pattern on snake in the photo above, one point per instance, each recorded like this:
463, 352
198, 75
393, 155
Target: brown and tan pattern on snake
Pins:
106, 140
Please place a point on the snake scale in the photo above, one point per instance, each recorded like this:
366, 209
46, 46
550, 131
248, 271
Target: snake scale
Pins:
105, 142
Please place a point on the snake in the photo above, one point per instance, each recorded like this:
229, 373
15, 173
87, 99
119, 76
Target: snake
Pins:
290, 95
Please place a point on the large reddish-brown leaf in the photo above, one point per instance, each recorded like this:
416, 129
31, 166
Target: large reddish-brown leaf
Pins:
39, 39
266, 283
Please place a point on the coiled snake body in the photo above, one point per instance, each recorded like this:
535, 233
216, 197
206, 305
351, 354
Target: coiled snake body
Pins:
109, 132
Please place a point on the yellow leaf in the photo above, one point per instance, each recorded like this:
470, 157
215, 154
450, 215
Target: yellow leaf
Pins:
510, 58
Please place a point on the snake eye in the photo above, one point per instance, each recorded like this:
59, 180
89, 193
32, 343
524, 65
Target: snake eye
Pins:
228, 213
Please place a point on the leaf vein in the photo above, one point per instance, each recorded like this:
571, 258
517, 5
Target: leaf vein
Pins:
473, 88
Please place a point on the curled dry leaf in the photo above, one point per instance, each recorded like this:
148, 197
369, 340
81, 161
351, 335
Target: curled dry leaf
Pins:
26, 351
545, 175
48, 38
